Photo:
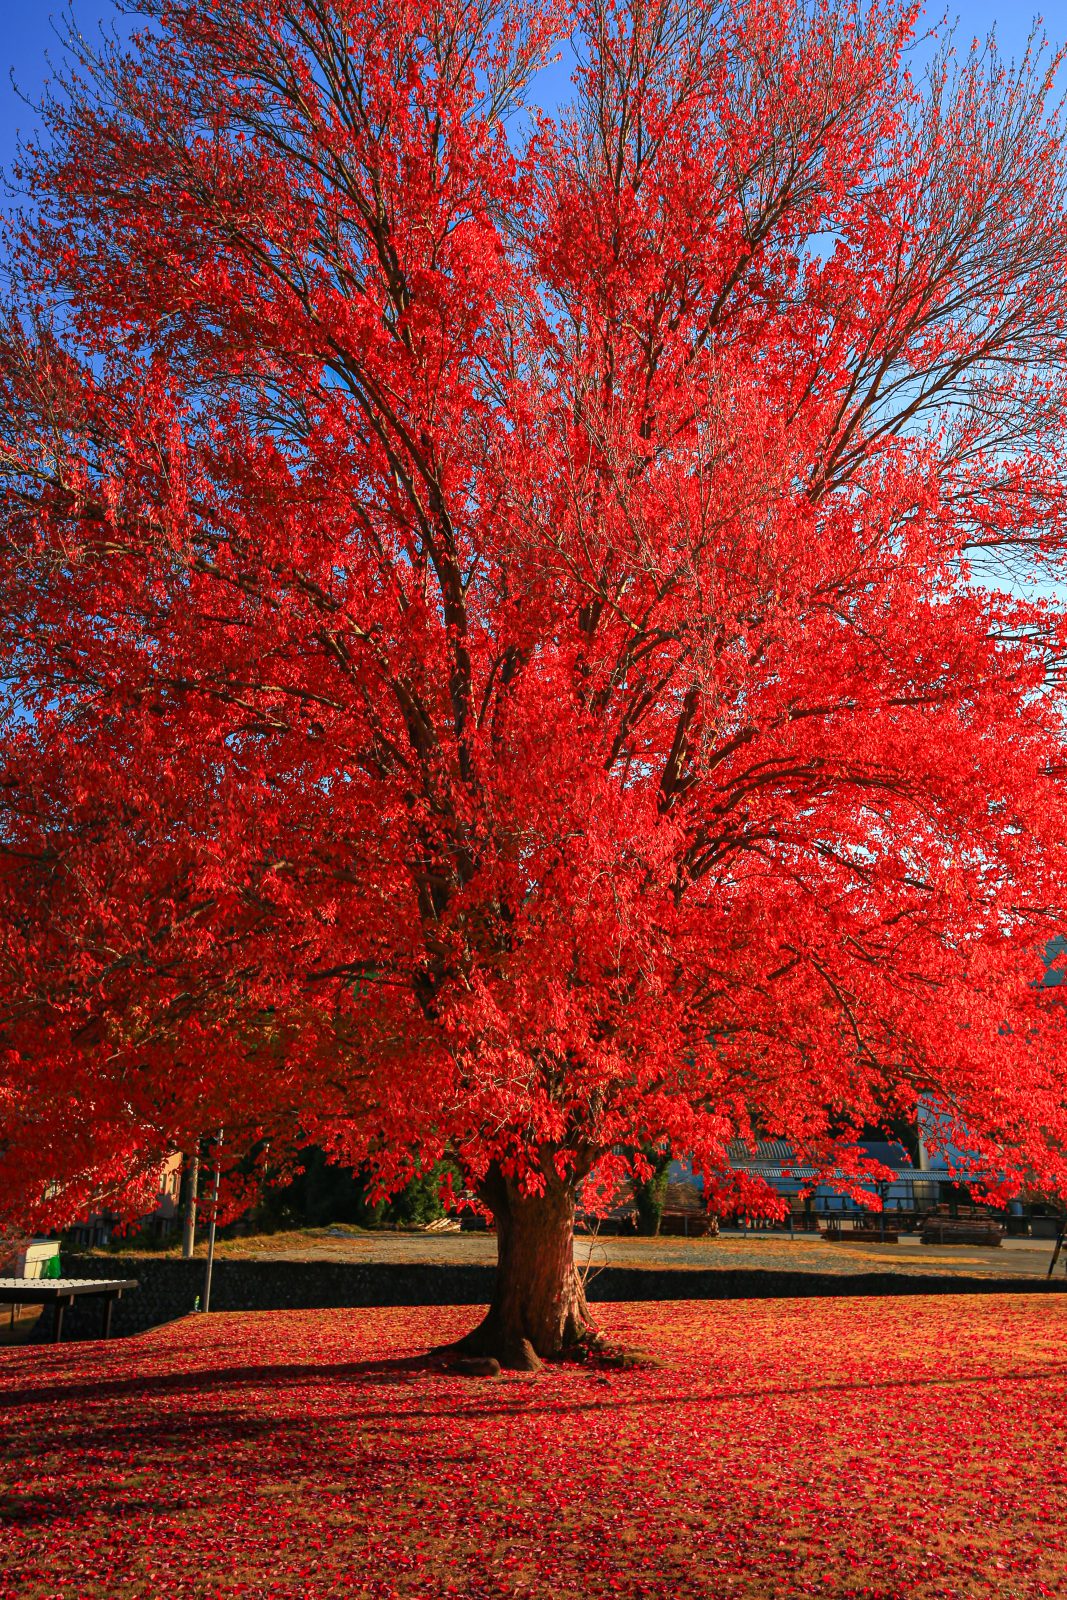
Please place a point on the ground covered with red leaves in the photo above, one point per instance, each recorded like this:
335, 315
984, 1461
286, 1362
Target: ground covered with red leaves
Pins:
878, 1448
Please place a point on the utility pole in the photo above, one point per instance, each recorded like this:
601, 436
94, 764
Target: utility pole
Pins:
189, 1229
211, 1228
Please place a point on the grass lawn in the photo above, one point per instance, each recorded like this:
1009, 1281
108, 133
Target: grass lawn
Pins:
878, 1448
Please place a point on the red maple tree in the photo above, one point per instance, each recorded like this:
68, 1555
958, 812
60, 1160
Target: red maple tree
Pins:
516, 645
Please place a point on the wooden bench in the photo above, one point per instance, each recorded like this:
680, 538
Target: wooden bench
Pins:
862, 1233
690, 1224
955, 1230
60, 1293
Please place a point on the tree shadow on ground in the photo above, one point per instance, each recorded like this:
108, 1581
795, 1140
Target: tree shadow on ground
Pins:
407, 1369
387, 1370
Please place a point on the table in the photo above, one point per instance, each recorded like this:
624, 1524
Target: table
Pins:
60, 1293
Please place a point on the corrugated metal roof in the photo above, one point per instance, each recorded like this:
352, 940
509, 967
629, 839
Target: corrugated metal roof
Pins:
775, 1160
889, 1152
764, 1150
772, 1170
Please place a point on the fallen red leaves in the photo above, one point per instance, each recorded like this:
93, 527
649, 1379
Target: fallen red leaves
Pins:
876, 1448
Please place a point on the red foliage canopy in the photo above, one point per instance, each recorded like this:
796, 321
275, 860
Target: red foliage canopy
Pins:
512, 645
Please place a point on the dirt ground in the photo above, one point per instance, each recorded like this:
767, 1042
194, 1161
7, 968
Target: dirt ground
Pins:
1022, 1258
16, 1329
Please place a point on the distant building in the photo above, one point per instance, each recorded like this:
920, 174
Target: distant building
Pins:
162, 1219
911, 1188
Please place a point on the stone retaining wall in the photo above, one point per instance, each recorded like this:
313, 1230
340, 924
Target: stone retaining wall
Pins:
169, 1287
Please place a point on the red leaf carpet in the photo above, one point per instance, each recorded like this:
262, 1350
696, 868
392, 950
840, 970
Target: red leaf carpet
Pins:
848, 1448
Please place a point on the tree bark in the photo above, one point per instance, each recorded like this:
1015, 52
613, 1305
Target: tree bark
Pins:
192, 1179
538, 1309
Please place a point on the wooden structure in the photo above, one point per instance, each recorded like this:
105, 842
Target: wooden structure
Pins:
688, 1222
60, 1293
961, 1230
866, 1228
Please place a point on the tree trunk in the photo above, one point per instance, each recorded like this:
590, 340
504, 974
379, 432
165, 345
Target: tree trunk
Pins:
538, 1309
192, 1179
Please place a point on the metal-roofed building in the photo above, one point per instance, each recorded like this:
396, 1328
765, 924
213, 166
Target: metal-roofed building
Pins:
775, 1161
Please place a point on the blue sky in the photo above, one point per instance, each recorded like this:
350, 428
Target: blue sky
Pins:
26, 37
